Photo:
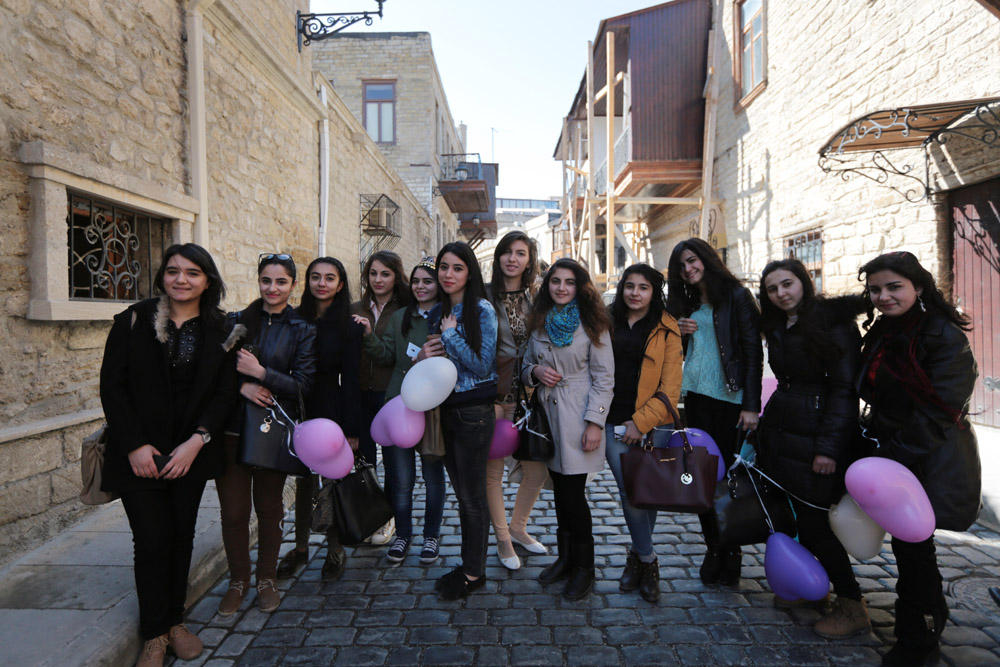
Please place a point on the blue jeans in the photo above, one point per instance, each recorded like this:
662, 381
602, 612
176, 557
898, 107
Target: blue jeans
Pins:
640, 522
401, 471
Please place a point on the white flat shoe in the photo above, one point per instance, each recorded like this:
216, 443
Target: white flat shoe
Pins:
533, 546
512, 563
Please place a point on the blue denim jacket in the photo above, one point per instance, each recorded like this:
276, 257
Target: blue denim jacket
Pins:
473, 370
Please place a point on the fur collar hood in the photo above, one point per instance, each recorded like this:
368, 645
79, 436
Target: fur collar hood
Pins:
157, 311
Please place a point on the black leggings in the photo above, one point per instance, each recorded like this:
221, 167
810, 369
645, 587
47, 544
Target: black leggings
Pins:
816, 535
572, 509
718, 419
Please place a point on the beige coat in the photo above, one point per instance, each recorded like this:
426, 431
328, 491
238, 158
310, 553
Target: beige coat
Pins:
583, 395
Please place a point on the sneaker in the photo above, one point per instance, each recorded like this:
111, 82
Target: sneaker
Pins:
231, 601
268, 597
397, 552
334, 564
153, 652
457, 588
184, 644
384, 534
429, 553
292, 561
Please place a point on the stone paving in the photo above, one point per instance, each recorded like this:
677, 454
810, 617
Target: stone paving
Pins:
378, 614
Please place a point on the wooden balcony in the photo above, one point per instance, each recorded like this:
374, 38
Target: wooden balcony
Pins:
464, 183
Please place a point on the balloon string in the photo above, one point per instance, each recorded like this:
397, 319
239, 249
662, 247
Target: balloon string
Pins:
522, 423
739, 459
763, 505
288, 431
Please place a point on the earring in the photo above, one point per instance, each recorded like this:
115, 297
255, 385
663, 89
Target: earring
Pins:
923, 308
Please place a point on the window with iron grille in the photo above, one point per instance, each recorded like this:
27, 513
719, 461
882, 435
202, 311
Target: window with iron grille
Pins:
807, 247
112, 249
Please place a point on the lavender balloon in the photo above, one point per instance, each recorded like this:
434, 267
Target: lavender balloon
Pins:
792, 572
505, 439
699, 438
317, 441
339, 466
405, 426
378, 430
893, 496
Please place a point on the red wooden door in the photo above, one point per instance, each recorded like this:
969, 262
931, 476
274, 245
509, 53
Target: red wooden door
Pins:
975, 212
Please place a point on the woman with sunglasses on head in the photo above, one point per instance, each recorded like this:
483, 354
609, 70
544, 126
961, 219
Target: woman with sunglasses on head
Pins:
335, 395
168, 382
276, 363
515, 263
467, 328
809, 425
917, 377
723, 366
570, 360
648, 358
400, 347
385, 291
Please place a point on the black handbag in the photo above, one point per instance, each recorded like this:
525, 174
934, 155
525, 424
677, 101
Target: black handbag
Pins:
748, 506
535, 443
322, 509
266, 439
360, 506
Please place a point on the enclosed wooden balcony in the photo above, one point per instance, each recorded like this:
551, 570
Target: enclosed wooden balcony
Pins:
477, 226
463, 184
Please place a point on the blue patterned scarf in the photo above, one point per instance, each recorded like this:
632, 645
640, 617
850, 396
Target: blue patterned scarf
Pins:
560, 325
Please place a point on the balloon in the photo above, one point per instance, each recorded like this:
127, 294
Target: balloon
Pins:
699, 438
768, 387
317, 440
858, 532
792, 572
379, 430
428, 383
338, 467
405, 426
893, 496
505, 439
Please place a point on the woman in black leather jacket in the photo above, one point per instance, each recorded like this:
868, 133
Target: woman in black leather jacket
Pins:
280, 365
718, 319
807, 429
917, 376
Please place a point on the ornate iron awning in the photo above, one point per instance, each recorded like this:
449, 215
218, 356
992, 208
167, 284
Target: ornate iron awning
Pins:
860, 147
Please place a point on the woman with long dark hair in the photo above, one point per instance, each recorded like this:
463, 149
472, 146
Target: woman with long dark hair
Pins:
648, 358
808, 427
400, 347
918, 375
385, 291
335, 395
276, 363
571, 362
168, 382
515, 263
467, 328
723, 365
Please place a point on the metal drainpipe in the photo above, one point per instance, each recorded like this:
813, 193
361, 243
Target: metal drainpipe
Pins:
324, 175
196, 100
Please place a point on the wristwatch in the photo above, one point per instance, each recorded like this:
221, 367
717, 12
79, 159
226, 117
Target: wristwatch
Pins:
206, 437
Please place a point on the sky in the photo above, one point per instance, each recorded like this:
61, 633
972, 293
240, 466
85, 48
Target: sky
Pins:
510, 70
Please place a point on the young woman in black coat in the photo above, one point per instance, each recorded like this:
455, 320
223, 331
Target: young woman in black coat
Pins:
168, 381
335, 395
917, 377
806, 433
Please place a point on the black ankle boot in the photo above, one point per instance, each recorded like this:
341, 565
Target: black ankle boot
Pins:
632, 575
560, 568
649, 586
711, 566
732, 561
581, 577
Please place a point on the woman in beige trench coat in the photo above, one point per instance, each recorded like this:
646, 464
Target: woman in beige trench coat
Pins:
571, 362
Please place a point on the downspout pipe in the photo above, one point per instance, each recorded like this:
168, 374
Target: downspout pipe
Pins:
196, 103
324, 174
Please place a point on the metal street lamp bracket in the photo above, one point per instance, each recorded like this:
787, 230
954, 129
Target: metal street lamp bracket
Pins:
316, 27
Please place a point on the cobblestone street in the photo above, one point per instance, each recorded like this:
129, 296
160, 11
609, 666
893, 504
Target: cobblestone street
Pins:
377, 614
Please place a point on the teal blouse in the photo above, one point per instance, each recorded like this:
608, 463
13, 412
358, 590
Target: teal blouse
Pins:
702, 363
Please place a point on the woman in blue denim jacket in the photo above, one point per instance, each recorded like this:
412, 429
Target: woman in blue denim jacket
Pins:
467, 416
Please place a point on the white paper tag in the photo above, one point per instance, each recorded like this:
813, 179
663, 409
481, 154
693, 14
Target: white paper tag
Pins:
412, 351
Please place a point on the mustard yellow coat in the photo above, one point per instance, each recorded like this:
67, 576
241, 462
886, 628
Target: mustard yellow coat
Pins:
660, 371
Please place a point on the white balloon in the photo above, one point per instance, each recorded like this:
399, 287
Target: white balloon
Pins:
428, 383
858, 532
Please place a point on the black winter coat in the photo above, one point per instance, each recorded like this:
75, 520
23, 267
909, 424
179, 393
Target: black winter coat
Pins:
814, 410
137, 400
286, 347
336, 391
942, 454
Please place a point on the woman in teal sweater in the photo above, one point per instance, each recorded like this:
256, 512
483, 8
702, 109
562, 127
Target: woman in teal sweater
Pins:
400, 347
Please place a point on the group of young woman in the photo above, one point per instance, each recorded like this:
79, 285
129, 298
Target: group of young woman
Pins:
178, 376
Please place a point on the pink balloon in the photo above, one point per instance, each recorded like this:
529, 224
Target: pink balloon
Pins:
792, 572
768, 387
699, 438
338, 467
378, 430
505, 439
317, 441
893, 496
405, 426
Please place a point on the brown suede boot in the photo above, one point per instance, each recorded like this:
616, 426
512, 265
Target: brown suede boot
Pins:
848, 618
153, 652
184, 644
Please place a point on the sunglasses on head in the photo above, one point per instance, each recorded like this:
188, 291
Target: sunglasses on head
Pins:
283, 257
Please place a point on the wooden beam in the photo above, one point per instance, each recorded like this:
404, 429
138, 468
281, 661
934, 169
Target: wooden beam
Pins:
708, 155
579, 172
609, 190
589, 211
604, 90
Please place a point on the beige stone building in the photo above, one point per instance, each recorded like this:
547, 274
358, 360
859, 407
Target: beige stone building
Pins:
130, 126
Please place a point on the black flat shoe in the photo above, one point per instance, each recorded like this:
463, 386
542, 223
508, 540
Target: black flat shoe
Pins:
292, 561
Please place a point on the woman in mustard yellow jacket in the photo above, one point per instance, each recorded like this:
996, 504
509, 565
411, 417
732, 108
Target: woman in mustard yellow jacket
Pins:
648, 360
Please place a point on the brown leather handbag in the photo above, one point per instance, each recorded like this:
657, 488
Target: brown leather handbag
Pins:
673, 479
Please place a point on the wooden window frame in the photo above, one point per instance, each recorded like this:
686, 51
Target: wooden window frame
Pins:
743, 100
364, 108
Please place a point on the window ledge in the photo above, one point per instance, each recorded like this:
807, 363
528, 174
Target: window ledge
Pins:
745, 101
68, 309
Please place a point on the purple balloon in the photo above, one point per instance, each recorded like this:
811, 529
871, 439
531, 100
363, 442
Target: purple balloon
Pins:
893, 496
699, 438
505, 439
317, 441
792, 572
378, 430
405, 426
768, 387
339, 466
